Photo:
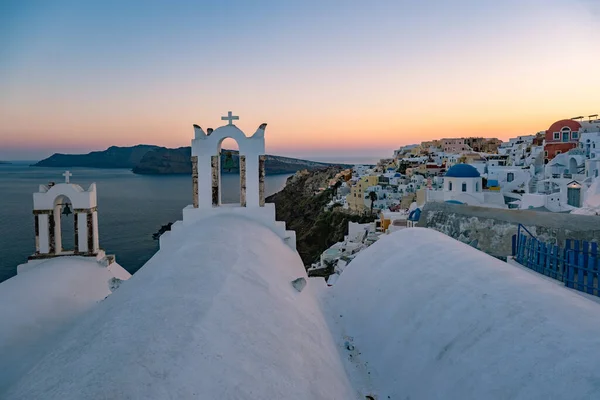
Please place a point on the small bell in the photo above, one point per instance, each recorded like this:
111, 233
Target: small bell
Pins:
66, 210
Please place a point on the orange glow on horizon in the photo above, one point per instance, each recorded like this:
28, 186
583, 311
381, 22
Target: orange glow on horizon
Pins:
509, 72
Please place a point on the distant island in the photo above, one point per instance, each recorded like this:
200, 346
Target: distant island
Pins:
4, 162
156, 160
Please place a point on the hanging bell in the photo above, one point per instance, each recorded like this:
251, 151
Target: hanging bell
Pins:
66, 210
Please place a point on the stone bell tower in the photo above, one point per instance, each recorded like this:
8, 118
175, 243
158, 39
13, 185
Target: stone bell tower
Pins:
49, 203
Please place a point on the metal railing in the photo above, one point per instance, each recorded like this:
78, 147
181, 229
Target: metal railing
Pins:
577, 264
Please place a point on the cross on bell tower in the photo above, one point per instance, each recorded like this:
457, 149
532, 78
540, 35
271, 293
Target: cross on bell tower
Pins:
230, 117
67, 175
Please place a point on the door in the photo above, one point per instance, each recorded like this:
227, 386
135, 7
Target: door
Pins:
574, 197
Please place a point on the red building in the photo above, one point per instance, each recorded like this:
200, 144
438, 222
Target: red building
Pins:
561, 137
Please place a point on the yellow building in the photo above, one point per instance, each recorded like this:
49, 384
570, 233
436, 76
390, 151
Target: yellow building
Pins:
431, 143
356, 198
415, 151
421, 169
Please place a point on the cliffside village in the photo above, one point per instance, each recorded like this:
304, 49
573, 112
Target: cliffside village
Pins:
555, 170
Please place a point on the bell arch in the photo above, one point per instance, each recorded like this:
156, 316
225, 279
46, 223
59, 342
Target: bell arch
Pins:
206, 183
206, 165
62, 230
223, 162
53, 199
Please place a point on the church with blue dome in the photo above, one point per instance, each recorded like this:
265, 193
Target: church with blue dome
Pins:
463, 185
462, 171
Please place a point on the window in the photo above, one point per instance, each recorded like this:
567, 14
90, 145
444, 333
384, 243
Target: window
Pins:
575, 135
566, 133
556, 135
557, 152
510, 177
546, 153
477, 186
449, 186
464, 187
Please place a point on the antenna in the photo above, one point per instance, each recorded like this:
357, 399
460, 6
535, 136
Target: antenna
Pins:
576, 118
593, 116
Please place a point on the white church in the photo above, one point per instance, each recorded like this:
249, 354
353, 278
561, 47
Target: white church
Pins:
225, 310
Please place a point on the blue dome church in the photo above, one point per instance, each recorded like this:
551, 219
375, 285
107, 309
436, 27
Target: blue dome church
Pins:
462, 185
462, 171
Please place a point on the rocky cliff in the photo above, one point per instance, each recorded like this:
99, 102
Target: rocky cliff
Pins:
113, 157
155, 160
302, 207
178, 161
165, 161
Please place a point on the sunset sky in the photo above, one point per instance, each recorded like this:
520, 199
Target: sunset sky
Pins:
329, 77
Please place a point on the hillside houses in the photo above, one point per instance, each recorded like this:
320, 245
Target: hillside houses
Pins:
549, 170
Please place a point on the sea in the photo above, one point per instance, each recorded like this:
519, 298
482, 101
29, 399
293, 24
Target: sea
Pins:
130, 209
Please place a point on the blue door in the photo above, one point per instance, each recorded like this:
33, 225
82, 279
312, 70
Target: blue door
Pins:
574, 197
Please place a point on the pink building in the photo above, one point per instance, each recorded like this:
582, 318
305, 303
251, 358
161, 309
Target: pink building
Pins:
455, 145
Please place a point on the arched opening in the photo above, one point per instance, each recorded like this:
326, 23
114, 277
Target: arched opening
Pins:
566, 134
64, 225
572, 165
231, 171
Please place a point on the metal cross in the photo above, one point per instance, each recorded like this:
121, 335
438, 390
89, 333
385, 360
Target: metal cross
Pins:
230, 118
67, 175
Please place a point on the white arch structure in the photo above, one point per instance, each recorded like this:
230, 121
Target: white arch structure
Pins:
206, 165
206, 181
46, 210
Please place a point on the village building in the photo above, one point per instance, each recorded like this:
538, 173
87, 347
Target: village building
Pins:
561, 137
497, 160
405, 150
463, 185
454, 145
483, 145
356, 198
589, 142
360, 170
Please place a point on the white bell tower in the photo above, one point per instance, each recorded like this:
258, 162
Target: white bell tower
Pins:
206, 179
206, 165
49, 202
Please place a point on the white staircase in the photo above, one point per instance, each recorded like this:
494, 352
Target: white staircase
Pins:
533, 184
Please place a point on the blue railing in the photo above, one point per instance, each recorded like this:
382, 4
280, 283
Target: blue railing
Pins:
515, 242
577, 264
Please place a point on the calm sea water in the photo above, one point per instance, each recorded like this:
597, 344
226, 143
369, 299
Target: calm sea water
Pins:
130, 209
